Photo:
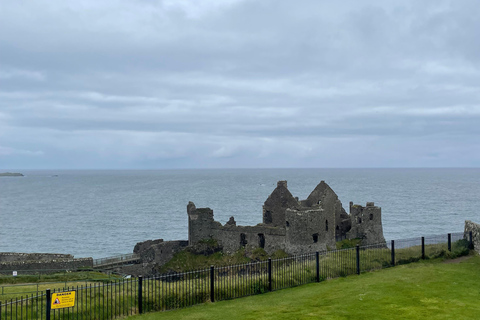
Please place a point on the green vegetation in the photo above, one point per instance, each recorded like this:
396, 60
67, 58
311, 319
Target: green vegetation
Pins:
210, 242
95, 301
434, 251
54, 277
188, 260
426, 290
22, 285
10, 174
348, 243
245, 278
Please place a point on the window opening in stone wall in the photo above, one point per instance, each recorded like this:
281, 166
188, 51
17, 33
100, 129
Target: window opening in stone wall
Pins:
287, 223
261, 240
359, 220
326, 225
268, 217
315, 237
371, 216
243, 240
338, 228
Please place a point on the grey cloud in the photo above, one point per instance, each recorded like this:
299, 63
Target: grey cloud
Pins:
239, 83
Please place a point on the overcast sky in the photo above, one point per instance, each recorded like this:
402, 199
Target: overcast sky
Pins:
239, 84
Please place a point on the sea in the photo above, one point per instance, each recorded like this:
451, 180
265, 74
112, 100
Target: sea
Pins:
102, 213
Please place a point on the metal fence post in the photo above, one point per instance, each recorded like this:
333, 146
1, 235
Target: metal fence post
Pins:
449, 242
357, 248
317, 259
140, 295
471, 240
393, 252
49, 304
423, 248
269, 274
212, 283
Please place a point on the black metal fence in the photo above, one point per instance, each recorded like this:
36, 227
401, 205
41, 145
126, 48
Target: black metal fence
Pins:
120, 298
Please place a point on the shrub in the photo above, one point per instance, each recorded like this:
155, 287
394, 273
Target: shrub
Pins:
348, 243
259, 287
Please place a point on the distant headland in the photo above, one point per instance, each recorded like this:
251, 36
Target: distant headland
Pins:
10, 174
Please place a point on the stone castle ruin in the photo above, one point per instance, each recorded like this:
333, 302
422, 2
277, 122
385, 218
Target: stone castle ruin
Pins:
289, 224
292, 225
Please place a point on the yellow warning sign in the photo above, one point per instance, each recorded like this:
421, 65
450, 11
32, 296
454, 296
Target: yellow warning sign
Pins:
63, 300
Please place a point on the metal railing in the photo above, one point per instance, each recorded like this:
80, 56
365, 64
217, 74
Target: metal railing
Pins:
124, 297
114, 260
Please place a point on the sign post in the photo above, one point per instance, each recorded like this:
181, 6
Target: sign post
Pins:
63, 300
49, 302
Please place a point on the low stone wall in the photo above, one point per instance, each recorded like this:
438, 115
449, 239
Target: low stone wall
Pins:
45, 265
16, 256
475, 229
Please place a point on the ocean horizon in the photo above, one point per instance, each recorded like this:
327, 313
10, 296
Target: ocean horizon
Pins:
99, 213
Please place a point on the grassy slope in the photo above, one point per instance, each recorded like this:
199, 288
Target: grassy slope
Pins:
21, 286
425, 290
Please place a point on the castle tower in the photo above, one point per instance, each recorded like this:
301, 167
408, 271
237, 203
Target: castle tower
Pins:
366, 223
200, 223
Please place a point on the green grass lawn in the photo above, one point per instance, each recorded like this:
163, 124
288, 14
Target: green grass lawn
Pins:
425, 290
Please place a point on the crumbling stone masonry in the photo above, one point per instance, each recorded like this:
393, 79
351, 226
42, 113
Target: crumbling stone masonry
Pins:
295, 226
158, 251
16, 256
40, 262
475, 229
292, 225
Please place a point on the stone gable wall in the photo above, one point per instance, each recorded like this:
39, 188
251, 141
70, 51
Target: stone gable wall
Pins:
274, 207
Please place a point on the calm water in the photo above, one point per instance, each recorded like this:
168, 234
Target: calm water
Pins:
103, 213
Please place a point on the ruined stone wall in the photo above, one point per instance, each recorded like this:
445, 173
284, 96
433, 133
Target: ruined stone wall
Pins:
152, 253
15, 256
291, 225
366, 224
309, 230
44, 266
140, 247
325, 197
200, 223
475, 229
161, 252
274, 207
232, 238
